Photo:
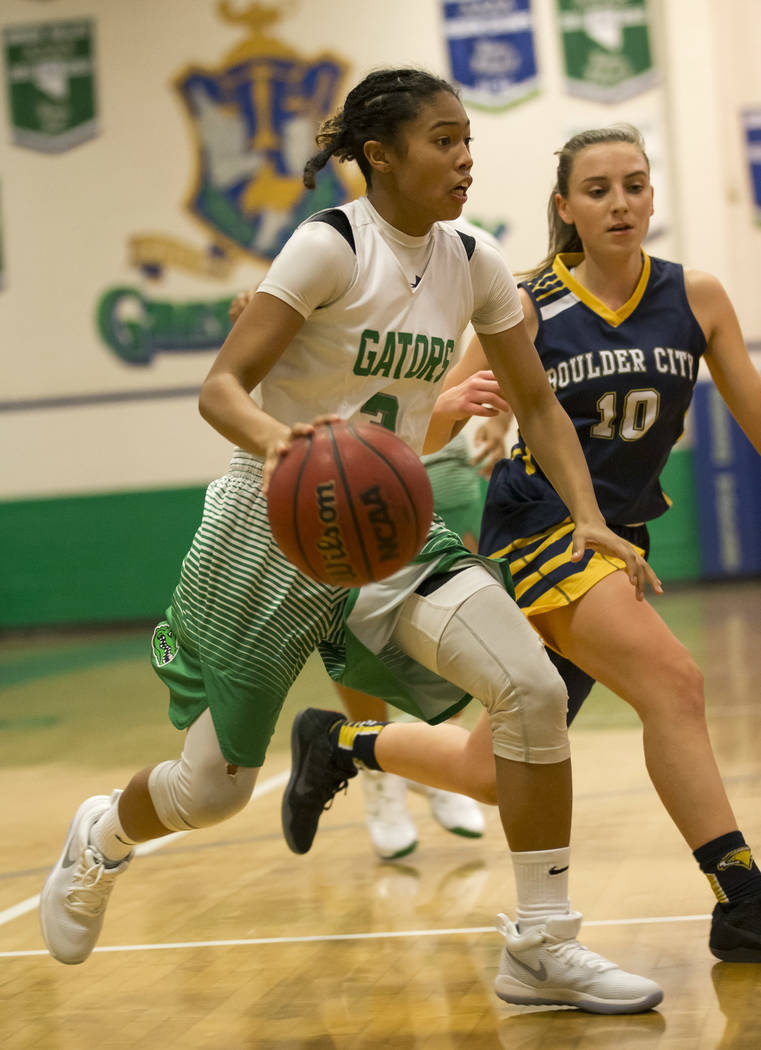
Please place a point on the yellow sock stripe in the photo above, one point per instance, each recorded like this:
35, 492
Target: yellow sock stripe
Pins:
719, 893
350, 730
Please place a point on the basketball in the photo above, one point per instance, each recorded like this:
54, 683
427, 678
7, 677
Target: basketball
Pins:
349, 504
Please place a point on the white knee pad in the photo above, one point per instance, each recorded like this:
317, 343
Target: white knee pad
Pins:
472, 633
198, 790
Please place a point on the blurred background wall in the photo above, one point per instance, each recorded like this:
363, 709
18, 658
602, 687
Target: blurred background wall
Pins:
150, 159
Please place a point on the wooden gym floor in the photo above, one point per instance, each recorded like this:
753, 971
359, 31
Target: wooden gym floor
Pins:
223, 938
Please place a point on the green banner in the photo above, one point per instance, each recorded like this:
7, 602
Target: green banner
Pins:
606, 48
50, 79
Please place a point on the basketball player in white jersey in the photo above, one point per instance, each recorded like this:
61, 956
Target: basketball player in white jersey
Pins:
357, 319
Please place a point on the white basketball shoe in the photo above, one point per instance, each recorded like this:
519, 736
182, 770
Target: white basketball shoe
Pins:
546, 966
391, 828
456, 813
74, 898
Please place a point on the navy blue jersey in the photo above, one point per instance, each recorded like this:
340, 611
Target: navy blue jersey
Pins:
625, 378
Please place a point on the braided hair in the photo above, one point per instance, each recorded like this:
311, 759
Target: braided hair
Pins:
563, 236
374, 110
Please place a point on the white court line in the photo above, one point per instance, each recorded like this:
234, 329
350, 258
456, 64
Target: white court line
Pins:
374, 936
265, 788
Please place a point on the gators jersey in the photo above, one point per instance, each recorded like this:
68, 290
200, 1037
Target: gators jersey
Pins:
625, 377
379, 349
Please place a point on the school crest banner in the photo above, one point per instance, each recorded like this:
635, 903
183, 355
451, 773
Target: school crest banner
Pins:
751, 119
491, 51
606, 48
50, 81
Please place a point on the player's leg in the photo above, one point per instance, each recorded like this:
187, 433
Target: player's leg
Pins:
627, 646
197, 790
470, 632
389, 822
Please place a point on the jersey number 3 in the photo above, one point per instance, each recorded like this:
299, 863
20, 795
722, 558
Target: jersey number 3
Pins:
384, 408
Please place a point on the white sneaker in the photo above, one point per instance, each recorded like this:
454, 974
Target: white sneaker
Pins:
391, 828
456, 813
74, 898
546, 966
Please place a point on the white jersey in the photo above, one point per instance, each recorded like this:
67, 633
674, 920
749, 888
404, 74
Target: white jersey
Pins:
383, 318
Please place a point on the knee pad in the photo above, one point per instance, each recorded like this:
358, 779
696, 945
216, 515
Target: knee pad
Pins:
186, 799
528, 715
200, 788
471, 632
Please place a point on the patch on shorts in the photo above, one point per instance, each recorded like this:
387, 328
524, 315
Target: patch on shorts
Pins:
164, 645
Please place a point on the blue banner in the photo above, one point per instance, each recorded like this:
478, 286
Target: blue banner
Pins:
752, 127
728, 484
491, 51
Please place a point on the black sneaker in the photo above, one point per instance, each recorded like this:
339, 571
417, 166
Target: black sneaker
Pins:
315, 778
736, 932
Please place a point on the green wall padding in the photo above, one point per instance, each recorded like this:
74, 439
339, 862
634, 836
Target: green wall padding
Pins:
116, 557
91, 559
674, 539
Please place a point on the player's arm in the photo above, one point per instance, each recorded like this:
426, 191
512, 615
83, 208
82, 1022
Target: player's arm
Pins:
551, 436
469, 389
314, 267
261, 334
733, 372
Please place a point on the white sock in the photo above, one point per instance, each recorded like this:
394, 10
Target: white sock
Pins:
541, 880
109, 837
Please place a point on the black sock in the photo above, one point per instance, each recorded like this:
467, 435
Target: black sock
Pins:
728, 864
355, 742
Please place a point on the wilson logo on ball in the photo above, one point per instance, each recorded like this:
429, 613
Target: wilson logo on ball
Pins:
349, 504
331, 544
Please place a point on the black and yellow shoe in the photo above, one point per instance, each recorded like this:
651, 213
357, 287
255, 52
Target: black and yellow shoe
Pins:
317, 774
736, 931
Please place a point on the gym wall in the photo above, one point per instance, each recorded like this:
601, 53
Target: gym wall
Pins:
122, 243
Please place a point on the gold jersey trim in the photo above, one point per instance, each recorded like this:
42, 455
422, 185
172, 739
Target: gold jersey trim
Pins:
562, 268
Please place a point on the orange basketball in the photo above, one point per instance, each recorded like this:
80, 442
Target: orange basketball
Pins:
349, 504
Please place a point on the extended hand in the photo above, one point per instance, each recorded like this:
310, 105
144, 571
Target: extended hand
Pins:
478, 395
489, 442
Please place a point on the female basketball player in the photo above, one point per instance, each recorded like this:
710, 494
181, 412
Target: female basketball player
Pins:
357, 318
459, 487
621, 336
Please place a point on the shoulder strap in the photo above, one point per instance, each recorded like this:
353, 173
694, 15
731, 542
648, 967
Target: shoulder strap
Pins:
469, 243
339, 220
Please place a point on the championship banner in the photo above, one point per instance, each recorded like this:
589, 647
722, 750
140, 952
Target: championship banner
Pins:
491, 51
751, 119
50, 79
606, 48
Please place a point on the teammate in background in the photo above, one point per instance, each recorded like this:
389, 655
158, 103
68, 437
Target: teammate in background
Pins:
620, 336
358, 315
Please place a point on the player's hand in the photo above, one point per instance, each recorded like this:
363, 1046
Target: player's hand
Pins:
489, 442
279, 446
478, 395
239, 304
601, 538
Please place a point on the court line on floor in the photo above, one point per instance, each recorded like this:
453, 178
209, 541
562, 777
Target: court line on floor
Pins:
247, 942
266, 787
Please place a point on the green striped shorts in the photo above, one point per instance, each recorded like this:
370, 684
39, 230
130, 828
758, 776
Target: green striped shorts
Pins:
243, 621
